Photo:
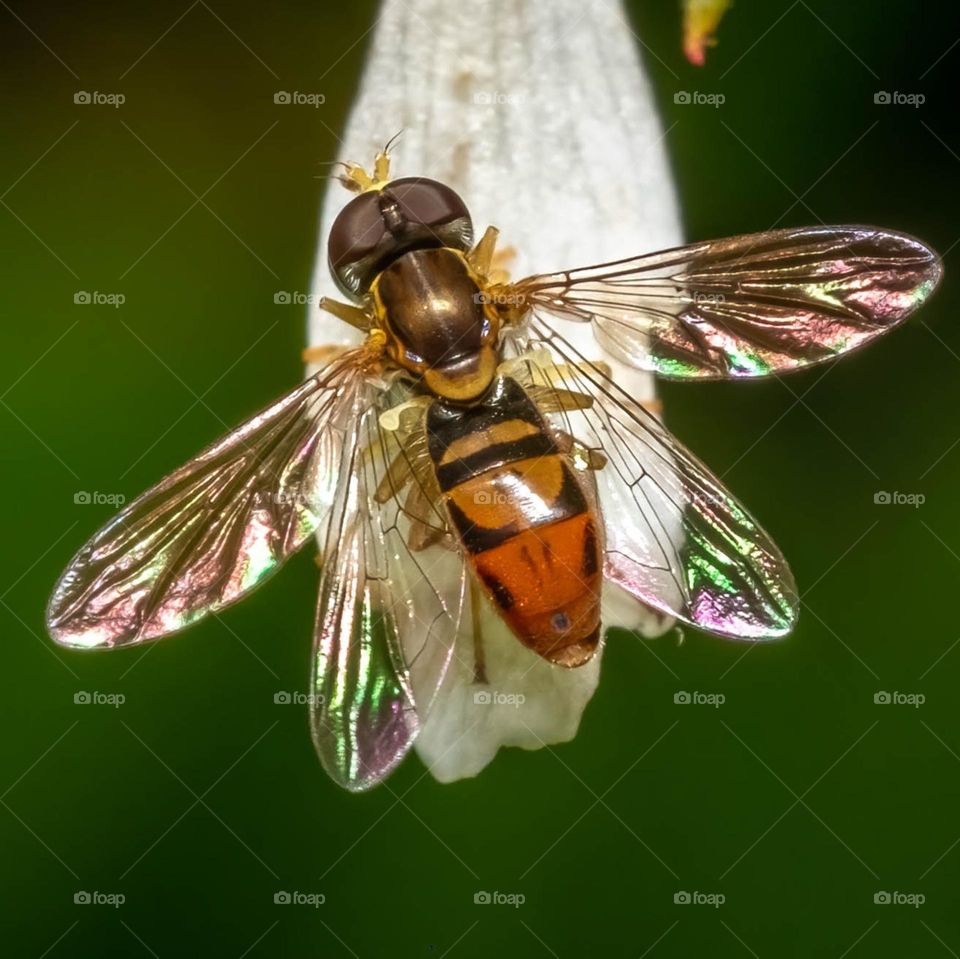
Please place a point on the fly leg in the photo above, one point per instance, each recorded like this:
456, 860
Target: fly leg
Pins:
356, 316
550, 399
554, 399
420, 508
479, 655
322, 355
581, 457
411, 470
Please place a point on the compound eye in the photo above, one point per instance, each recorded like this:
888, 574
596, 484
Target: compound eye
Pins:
376, 228
357, 234
427, 202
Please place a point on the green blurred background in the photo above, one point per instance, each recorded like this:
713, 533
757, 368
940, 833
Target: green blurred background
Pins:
198, 799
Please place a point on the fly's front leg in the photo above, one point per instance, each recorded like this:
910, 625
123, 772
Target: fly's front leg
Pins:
322, 355
358, 317
361, 317
558, 400
550, 399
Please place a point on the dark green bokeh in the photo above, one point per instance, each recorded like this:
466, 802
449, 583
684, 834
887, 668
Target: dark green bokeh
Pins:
199, 798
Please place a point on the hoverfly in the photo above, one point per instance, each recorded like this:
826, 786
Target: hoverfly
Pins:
461, 454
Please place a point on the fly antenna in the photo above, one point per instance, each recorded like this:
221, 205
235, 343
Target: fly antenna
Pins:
347, 178
389, 144
356, 179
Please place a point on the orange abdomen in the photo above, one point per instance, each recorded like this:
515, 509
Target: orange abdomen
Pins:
523, 519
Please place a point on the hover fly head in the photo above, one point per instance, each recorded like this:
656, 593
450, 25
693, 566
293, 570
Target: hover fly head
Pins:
390, 218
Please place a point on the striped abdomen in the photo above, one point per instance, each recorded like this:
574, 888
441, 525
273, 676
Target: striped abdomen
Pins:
523, 519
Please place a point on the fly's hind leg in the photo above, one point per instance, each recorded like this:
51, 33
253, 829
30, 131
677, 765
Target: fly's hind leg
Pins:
477, 599
409, 479
419, 507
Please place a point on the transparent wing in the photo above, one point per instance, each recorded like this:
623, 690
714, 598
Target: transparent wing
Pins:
676, 539
745, 306
387, 619
213, 530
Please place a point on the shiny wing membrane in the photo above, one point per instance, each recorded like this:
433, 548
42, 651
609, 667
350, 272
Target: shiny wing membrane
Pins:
746, 306
213, 530
676, 539
387, 617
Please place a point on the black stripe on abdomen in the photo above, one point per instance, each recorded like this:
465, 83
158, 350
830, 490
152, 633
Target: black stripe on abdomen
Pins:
447, 422
569, 502
494, 456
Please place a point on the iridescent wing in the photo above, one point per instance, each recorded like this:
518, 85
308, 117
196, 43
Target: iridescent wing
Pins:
745, 306
217, 527
676, 539
387, 618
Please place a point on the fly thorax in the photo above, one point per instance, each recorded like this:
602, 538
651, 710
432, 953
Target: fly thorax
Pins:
437, 324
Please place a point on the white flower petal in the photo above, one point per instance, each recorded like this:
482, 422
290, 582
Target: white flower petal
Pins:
621, 609
541, 117
526, 702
